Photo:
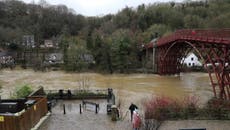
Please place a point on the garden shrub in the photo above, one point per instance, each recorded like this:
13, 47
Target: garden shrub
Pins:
218, 108
161, 108
22, 91
165, 108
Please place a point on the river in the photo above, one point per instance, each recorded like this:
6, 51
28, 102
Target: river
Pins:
127, 87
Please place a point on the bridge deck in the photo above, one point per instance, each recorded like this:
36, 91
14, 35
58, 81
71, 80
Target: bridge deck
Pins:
212, 36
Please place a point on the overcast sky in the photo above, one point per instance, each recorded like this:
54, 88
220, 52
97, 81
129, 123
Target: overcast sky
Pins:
99, 7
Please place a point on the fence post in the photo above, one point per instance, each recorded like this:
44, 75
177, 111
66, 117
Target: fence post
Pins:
64, 109
80, 109
113, 99
96, 109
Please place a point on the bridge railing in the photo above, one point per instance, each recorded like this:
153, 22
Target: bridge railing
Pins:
212, 36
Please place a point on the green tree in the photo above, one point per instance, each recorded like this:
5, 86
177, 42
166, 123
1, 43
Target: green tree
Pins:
192, 21
22, 91
75, 55
113, 40
124, 18
121, 47
160, 29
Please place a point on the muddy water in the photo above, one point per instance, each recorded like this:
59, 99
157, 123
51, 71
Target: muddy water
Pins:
128, 87
132, 87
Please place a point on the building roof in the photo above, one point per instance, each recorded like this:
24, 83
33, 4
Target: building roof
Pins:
6, 53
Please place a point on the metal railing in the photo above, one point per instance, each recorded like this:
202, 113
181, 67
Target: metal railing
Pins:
77, 94
78, 91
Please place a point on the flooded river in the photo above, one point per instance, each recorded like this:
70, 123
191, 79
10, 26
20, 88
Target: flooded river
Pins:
127, 87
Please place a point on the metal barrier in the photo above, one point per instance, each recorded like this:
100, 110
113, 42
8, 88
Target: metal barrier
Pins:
91, 103
77, 94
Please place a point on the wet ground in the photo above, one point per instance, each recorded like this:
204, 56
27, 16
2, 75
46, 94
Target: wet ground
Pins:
88, 120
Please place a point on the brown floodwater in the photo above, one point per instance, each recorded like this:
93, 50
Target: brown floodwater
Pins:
132, 87
127, 87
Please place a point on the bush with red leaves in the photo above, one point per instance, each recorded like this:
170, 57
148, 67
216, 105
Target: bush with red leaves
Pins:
165, 108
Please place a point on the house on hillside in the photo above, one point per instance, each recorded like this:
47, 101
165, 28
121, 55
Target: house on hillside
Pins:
54, 58
87, 58
192, 61
50, 43
7, 59
46, 54
28, 41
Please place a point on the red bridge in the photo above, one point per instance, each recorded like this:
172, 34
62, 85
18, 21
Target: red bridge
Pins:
212, 47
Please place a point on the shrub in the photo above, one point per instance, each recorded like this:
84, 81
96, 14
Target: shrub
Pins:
218, 108
162, 108
190, 107
23, 91
218, 103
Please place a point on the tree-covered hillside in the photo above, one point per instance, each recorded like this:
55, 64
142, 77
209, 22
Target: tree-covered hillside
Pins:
113, 39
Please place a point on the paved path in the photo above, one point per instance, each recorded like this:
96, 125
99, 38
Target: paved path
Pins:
88, 120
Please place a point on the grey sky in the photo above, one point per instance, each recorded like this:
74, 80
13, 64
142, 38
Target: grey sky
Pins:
99, 7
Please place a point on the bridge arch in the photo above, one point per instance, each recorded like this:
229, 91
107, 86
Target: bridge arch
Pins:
194, 47
214, 50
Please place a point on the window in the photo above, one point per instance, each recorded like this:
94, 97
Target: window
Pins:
54, 57
189, 64
192, 59
193, 64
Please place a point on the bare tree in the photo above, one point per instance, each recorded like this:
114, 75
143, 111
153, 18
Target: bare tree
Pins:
84, 82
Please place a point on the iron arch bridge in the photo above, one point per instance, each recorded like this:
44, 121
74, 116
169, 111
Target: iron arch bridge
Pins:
211, 46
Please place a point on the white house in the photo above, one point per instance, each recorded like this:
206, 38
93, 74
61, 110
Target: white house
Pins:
192, 60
